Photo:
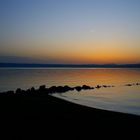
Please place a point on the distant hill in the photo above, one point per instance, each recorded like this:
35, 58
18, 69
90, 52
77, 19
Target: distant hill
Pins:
33, 65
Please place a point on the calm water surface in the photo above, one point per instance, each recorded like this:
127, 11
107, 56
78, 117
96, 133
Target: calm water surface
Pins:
119, 98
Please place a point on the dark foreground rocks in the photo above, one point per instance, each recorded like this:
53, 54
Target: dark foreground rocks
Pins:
36, 114
51, 90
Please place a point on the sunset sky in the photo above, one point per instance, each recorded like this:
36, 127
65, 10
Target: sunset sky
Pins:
70, 31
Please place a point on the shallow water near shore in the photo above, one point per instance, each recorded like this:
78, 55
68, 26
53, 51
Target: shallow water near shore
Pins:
120, 98
124, 99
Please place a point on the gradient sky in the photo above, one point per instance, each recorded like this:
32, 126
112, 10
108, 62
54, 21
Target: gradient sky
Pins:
70, 31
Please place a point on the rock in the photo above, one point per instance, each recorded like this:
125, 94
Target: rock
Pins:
98, 86
10, 92
42, 87
85, 87
128, 85
32, 89
52, 89
60, 89
78, 88
18, 91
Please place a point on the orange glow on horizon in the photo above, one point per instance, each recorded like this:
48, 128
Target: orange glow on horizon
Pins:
88, 52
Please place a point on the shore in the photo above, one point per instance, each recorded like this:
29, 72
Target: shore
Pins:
51, 108
43, 110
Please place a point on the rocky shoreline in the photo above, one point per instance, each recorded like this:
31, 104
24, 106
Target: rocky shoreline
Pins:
56, 89
24, 109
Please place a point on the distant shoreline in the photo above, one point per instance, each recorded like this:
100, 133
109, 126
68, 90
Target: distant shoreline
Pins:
35, 65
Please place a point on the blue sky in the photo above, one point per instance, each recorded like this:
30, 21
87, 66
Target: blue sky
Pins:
68, 31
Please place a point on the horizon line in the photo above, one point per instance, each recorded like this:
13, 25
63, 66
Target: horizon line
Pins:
111, 65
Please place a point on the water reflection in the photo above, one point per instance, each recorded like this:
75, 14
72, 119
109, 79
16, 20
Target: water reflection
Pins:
26, 78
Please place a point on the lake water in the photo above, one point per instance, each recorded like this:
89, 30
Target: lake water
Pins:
119, 98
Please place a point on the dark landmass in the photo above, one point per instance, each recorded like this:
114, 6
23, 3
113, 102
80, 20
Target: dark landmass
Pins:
34, 113
33, 65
